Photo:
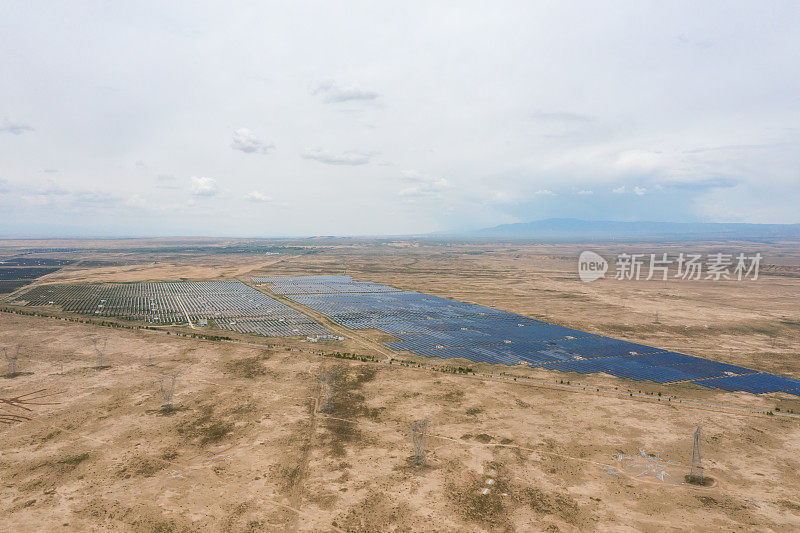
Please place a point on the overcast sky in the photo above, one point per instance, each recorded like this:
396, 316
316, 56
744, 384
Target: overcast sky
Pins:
300, 118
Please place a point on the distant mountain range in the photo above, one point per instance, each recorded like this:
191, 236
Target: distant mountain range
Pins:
575, 229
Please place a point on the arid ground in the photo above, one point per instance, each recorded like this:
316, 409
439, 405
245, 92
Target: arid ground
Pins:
252, 443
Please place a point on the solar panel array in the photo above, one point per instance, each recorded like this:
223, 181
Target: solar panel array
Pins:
424, 324
282, 327
536, 353
362, 311
233, 305
661, 367
321, 285
754, 383
438, 327
478, 337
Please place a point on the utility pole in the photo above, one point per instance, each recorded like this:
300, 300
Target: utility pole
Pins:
418, 430
100, 351
696, 473
167, 385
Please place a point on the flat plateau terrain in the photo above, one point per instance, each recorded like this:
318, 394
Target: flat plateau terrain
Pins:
252, 444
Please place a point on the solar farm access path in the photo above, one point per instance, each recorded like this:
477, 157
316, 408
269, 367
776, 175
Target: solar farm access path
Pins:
330, 324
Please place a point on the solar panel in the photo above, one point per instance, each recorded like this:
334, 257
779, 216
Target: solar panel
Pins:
662, 367
469, 337
437, 327
321, 285
232, 305
757, 383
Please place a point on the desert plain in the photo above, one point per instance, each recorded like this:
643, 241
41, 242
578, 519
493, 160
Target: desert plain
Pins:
247, 445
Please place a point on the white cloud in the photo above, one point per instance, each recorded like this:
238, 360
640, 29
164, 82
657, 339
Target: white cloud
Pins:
412, 176
332, 92
503, 197
560, 116
422, 185
204, 186
14, 128
544, 192
256, 196
331, 158
638, 161
699, 184
414, 192
619, 190
586, 192
53, 196
640, 191
135, 201
167, 182
245, 141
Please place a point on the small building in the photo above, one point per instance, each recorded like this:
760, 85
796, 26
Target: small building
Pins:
318, 338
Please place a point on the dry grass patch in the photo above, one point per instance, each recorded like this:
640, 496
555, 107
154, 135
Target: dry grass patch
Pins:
247, 368
204, 427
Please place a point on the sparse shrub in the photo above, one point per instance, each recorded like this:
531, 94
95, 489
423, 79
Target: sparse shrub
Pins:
247, 368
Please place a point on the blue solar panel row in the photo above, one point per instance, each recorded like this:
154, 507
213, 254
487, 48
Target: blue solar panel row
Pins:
754, 384
663, 367
438, 327
362, 311
697, 367
530, 353
321, 285
625, 367
497, 320
471, 337
595, 346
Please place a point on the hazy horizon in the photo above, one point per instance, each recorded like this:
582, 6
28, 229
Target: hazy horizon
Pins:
554, 229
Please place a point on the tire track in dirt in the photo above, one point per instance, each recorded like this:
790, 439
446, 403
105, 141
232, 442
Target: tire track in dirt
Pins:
296, 490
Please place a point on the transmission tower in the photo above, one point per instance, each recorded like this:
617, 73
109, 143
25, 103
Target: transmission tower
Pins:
328, 380
167, 385
12, 360
696, 473
101, 351
418, 430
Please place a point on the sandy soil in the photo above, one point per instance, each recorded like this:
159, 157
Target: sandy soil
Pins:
249, 446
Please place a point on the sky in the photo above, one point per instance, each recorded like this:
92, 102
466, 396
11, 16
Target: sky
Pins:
366, 118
